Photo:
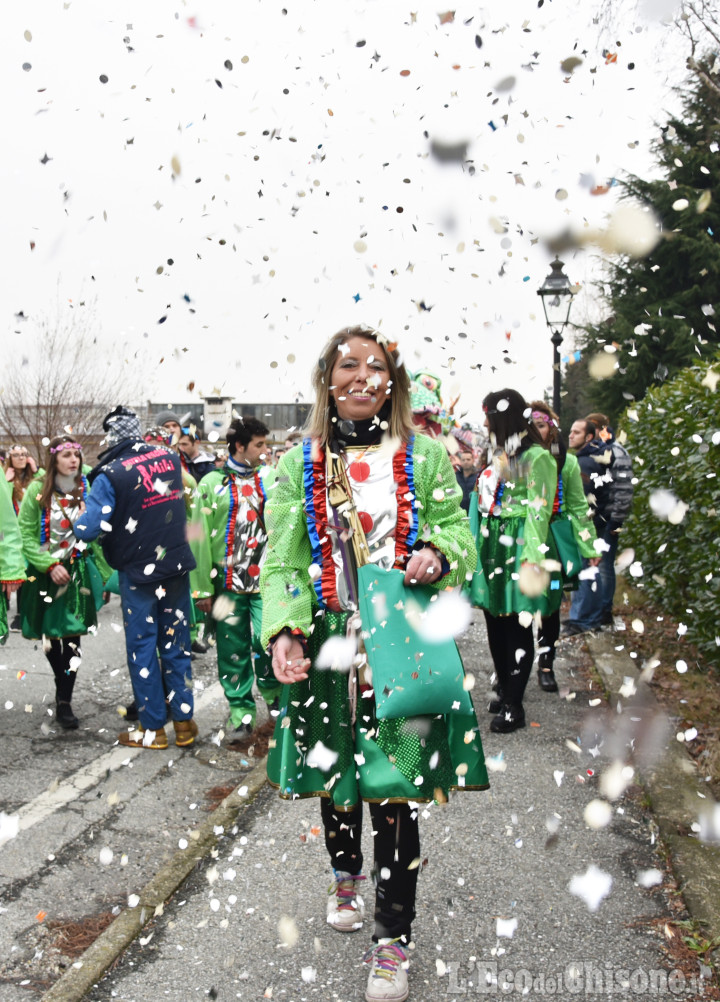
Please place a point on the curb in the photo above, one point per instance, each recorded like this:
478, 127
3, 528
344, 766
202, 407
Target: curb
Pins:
89, 969
673, 788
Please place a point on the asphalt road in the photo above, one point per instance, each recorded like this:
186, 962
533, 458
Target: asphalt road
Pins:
96, 822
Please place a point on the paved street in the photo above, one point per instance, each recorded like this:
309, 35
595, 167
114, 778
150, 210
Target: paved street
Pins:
96, 822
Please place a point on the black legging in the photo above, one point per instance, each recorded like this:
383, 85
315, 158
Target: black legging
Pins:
59, 655
548, 637
512, 650
396, 847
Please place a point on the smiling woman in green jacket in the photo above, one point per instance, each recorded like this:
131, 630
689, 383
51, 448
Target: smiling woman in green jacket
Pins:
361, 459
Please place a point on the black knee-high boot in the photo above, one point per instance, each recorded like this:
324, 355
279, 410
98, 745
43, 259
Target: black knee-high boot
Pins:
60, 654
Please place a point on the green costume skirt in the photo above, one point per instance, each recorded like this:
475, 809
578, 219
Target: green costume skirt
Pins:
495, 584
317, 750
50, 610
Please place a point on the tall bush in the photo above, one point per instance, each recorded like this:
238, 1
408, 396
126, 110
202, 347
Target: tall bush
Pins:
674, 439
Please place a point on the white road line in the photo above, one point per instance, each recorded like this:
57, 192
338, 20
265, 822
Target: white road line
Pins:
42, 806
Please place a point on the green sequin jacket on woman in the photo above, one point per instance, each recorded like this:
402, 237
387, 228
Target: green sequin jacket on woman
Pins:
318, 749
47, 609
510, 515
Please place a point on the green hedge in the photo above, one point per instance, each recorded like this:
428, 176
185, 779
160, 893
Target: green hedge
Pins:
681, 562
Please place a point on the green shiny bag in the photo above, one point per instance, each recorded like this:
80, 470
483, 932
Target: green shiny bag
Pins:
411, 675
567, 547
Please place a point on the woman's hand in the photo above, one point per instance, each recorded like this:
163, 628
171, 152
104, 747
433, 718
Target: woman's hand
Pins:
288, 660
59, 575
594, 561
204, 605
8, 587
424, 567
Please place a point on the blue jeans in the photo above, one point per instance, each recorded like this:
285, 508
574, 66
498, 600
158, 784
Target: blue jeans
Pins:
607, 574
158, 624
586, 604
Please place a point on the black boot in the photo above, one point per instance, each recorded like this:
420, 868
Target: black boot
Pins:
65, 716
510, 718
496, 702
546, 680
546, 676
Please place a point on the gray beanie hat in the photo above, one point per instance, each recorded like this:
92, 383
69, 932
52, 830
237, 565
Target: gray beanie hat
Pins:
164, 416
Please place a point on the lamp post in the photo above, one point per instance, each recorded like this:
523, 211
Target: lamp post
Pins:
556, 295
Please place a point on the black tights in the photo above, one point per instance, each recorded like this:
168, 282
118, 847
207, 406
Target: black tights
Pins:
396, 843
59, 655
548, 635
512, 650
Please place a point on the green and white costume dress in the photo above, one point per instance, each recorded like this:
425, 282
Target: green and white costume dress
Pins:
47, 609
328, 741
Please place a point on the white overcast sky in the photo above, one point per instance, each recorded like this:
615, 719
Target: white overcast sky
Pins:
279, 209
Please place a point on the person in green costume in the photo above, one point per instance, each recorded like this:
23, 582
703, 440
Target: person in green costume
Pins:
328, 741
20, 470
63, 592
570, 504
12, 563
228, 540
518, 571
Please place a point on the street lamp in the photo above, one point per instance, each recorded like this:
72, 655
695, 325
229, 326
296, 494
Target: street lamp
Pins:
557, 297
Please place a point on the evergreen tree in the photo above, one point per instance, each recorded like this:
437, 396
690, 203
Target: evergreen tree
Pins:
665, 306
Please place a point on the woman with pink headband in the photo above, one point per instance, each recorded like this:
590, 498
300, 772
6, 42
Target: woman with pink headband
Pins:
60, 599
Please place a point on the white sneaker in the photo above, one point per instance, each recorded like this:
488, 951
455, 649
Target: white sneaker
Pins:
345, 907
387, 981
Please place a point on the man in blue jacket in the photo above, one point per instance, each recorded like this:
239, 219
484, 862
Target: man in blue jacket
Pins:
137, 508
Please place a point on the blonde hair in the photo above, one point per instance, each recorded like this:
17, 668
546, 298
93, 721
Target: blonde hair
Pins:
320, 424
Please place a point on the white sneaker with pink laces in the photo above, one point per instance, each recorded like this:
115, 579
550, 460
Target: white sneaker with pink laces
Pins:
345, 907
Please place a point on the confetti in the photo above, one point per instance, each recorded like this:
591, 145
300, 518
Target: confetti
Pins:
593, 886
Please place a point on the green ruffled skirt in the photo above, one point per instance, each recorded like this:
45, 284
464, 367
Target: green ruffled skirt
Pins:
50, 610
317, 751
495, 583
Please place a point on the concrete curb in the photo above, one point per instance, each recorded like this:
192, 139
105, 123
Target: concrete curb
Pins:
86, 972
676, 794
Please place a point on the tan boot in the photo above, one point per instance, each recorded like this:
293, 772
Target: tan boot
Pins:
185, 732
140, 738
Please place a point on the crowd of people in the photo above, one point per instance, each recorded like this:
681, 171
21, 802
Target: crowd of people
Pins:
286, 563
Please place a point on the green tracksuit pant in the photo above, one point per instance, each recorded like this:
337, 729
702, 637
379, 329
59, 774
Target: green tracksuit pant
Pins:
240, 658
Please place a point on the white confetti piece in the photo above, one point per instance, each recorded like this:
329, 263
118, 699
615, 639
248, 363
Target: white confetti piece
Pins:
9, 826
597, 814
505, 928
288, 931
649, 878
321, 757
445, 618
337, 653
593, 886
105, 856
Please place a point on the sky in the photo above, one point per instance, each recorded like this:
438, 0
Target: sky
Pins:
225, 185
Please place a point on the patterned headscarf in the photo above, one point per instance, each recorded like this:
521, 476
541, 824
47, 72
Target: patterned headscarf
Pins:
121, 424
